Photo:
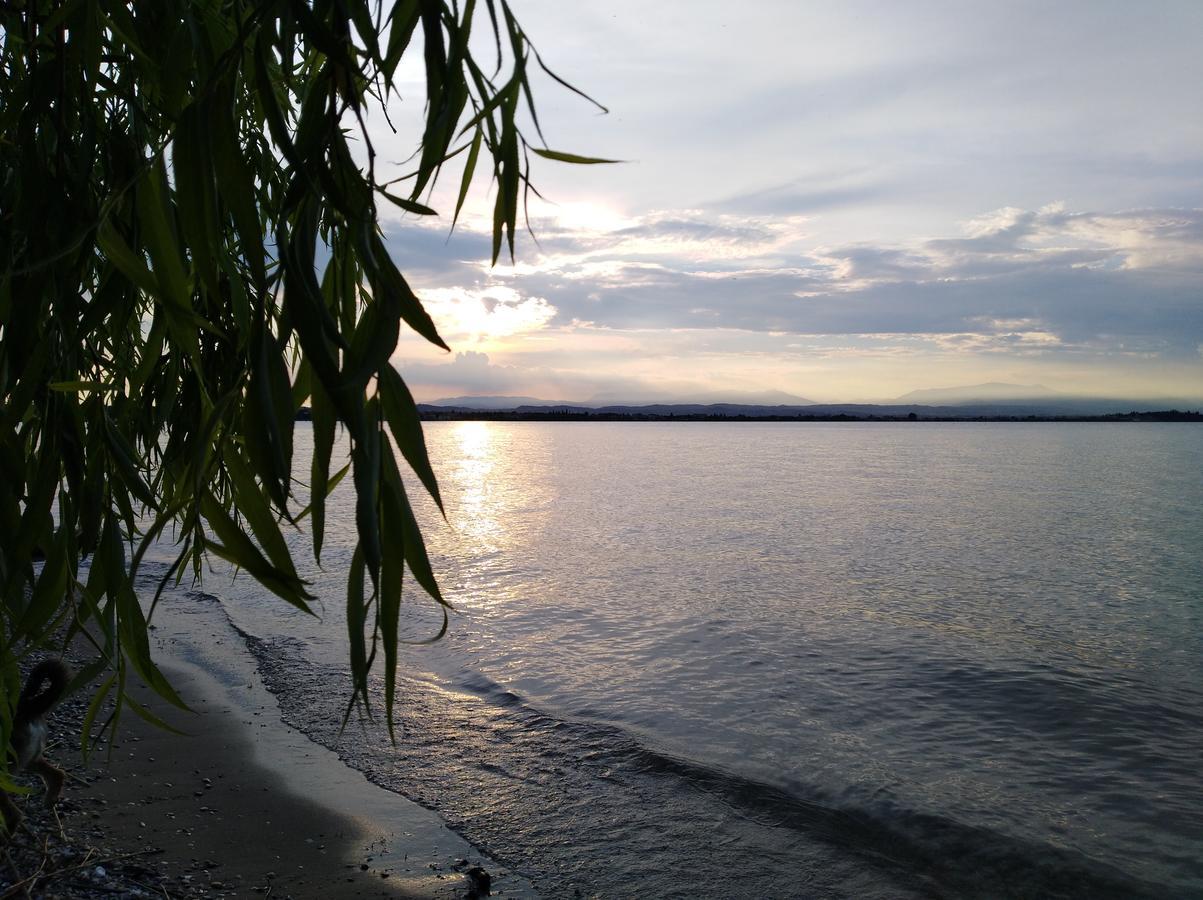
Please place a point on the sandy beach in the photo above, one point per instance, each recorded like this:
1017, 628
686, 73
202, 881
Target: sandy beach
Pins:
241, 805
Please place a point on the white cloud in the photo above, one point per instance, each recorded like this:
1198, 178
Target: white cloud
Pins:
492, 312
799, 169
1072, 276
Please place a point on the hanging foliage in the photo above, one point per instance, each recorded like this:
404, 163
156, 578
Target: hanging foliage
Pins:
190, 251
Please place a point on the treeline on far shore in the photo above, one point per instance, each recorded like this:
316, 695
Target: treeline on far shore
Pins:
447, 414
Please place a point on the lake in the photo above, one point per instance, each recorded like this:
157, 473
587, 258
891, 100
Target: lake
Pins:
792, 659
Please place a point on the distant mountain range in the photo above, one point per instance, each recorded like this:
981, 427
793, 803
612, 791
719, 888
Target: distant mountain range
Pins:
493, 402
991, 392
992, 399
598, 401
742, 398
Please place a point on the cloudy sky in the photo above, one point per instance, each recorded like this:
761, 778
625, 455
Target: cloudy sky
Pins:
839, 201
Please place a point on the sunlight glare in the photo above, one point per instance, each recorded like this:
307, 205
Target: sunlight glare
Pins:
485, 314
584, 215
477, 517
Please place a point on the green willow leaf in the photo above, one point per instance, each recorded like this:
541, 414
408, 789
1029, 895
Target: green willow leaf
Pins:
466, 178
323, 418
131, 623
238, 191
269, 419
119, 253
411, 535
253, 506
331, 483
365, 472
403, 20
356, 622
411, 206
102, 693
390, 282
238, 549
402, 415
195, 192
572, 157
375, 336
46, 599
123, 456
162, 243
391, 581
144, 713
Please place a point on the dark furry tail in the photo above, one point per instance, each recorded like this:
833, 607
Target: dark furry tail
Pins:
36, 700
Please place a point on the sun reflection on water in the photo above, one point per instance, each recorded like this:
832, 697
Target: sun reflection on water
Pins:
477, 515
498, 496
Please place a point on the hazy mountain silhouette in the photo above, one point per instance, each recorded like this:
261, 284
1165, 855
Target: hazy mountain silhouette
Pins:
997, 398
738, 398
994, 399
725, 398
495, 402
991, 392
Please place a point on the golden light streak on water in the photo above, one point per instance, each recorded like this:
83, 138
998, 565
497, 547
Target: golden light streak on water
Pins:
476, 518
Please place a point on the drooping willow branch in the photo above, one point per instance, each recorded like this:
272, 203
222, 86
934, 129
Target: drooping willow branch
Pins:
189, 252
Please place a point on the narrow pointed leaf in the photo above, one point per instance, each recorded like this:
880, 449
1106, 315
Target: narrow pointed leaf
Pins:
571, 157
402, 415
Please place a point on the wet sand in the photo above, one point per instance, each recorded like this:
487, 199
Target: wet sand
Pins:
242, 805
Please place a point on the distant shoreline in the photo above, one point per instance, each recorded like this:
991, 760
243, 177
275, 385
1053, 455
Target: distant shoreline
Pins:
486, 415
449, 414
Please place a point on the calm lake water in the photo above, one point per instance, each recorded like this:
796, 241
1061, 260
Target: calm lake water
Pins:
778, 659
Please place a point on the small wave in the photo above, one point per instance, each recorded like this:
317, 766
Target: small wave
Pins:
952, 856
516, 745
955, 855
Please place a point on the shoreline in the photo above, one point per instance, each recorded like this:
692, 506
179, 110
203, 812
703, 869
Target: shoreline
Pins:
242, 805
484, 415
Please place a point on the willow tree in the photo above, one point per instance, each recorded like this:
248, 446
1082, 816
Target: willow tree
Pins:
190, 250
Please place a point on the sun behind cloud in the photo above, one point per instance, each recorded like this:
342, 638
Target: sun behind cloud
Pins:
481, 316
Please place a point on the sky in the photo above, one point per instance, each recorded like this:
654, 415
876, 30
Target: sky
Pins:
834, 201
